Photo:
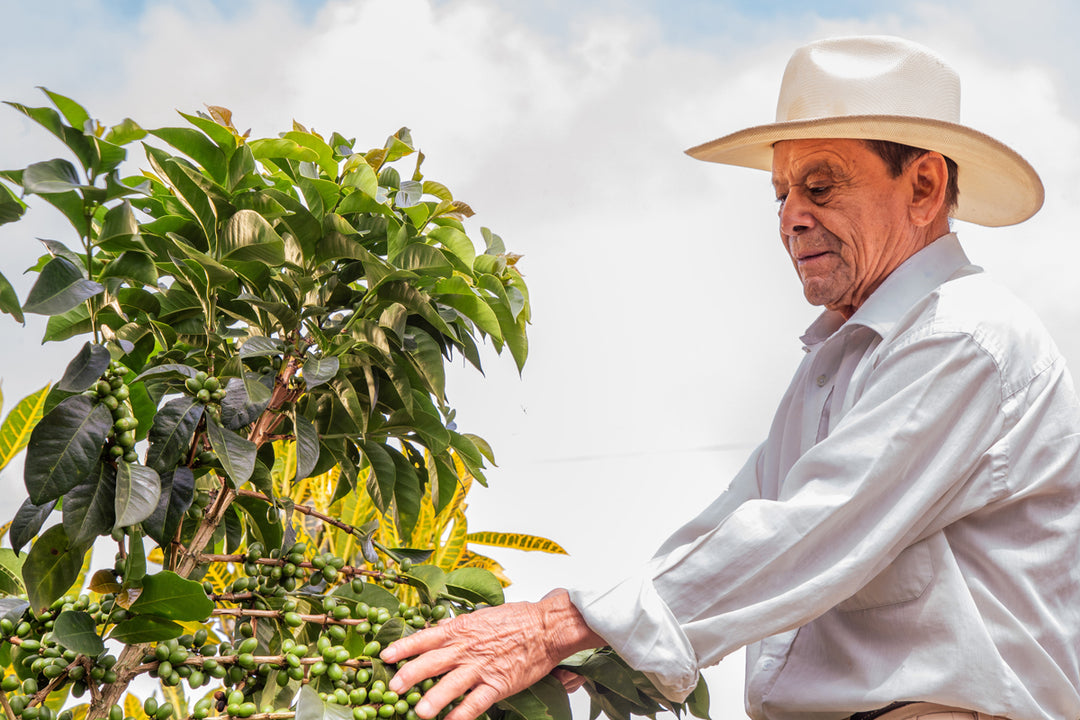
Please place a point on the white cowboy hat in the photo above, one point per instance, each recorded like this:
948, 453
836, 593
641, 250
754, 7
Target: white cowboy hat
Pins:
886, 88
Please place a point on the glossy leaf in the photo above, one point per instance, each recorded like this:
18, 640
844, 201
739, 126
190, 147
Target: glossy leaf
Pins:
177, 494
237, 454
259, 346
89, 508
309, 706
64, 447
167, 595
247, 236
51, 176
59, 287
476, 585
196, 146
138, 489
172, 432
145, 628
77, 631
383, 476
9, 300
50, 567
264, 518
85, 369
428, 579
11, 207
307, 446
545, 700
27, 523
317, 371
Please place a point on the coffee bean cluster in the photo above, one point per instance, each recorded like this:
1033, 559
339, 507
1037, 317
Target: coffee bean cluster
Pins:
38, 659
111, 392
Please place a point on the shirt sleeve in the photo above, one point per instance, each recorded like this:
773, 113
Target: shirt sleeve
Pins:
749, 567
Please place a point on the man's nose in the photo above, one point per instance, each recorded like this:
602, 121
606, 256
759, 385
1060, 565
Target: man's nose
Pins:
796, 213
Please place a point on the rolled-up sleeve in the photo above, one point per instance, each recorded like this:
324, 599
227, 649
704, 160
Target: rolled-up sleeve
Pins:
912, 451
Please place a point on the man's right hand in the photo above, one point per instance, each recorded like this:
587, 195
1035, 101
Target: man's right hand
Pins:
490, 654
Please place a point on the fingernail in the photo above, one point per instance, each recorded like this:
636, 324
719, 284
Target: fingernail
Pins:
423, 709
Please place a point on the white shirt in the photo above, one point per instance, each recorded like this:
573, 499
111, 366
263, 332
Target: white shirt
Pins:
910, 530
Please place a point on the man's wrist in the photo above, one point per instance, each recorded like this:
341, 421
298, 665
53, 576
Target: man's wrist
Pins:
565, 629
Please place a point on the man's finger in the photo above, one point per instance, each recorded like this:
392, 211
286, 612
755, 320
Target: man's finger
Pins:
446, 690
419, 642
476, 702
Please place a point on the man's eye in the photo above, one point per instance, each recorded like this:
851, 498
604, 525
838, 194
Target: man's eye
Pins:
818, 190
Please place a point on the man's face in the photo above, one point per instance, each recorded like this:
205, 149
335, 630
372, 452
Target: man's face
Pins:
843, 219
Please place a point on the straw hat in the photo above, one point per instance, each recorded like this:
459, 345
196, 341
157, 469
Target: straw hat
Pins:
886, 88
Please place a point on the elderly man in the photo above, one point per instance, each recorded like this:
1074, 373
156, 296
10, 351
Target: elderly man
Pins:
906, 542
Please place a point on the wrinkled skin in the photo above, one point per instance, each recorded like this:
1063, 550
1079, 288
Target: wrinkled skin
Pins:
490, 654
846, 223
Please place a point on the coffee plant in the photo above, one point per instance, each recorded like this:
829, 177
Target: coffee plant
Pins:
258, 424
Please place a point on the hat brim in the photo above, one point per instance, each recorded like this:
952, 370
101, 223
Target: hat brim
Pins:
997, 186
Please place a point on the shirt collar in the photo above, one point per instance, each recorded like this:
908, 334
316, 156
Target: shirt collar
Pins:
912, 280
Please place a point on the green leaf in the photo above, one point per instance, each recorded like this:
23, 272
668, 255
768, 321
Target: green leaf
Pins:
186, 183
17, 426
307, 446
317, 371
75, 321
172, 431
260, 346
9, 301
249, 237
89, 507
383, 475
309, 706
145, 628
475, 584
281, 148
544, 700
51, 176
477, 310
428, 360
85, 369
407, 492
196, 146
60, 287
124, 132
11, 207
135, 266
72, 111
264, 517
457, 242
11, 572
138, 489
698, 702
167, 595
119, 225
50, 568
237, 454
177, 494
324, 154
28, 521
430, 580
77, 631
64, 447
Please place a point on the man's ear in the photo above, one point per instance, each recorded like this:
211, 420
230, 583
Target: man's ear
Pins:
928, 177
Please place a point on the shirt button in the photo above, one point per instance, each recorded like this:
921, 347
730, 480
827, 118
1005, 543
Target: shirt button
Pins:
821, 380
767, 664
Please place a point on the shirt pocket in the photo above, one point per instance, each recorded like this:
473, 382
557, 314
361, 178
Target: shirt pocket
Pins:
905, 579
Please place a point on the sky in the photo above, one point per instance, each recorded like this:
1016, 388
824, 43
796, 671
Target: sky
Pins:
665, 314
